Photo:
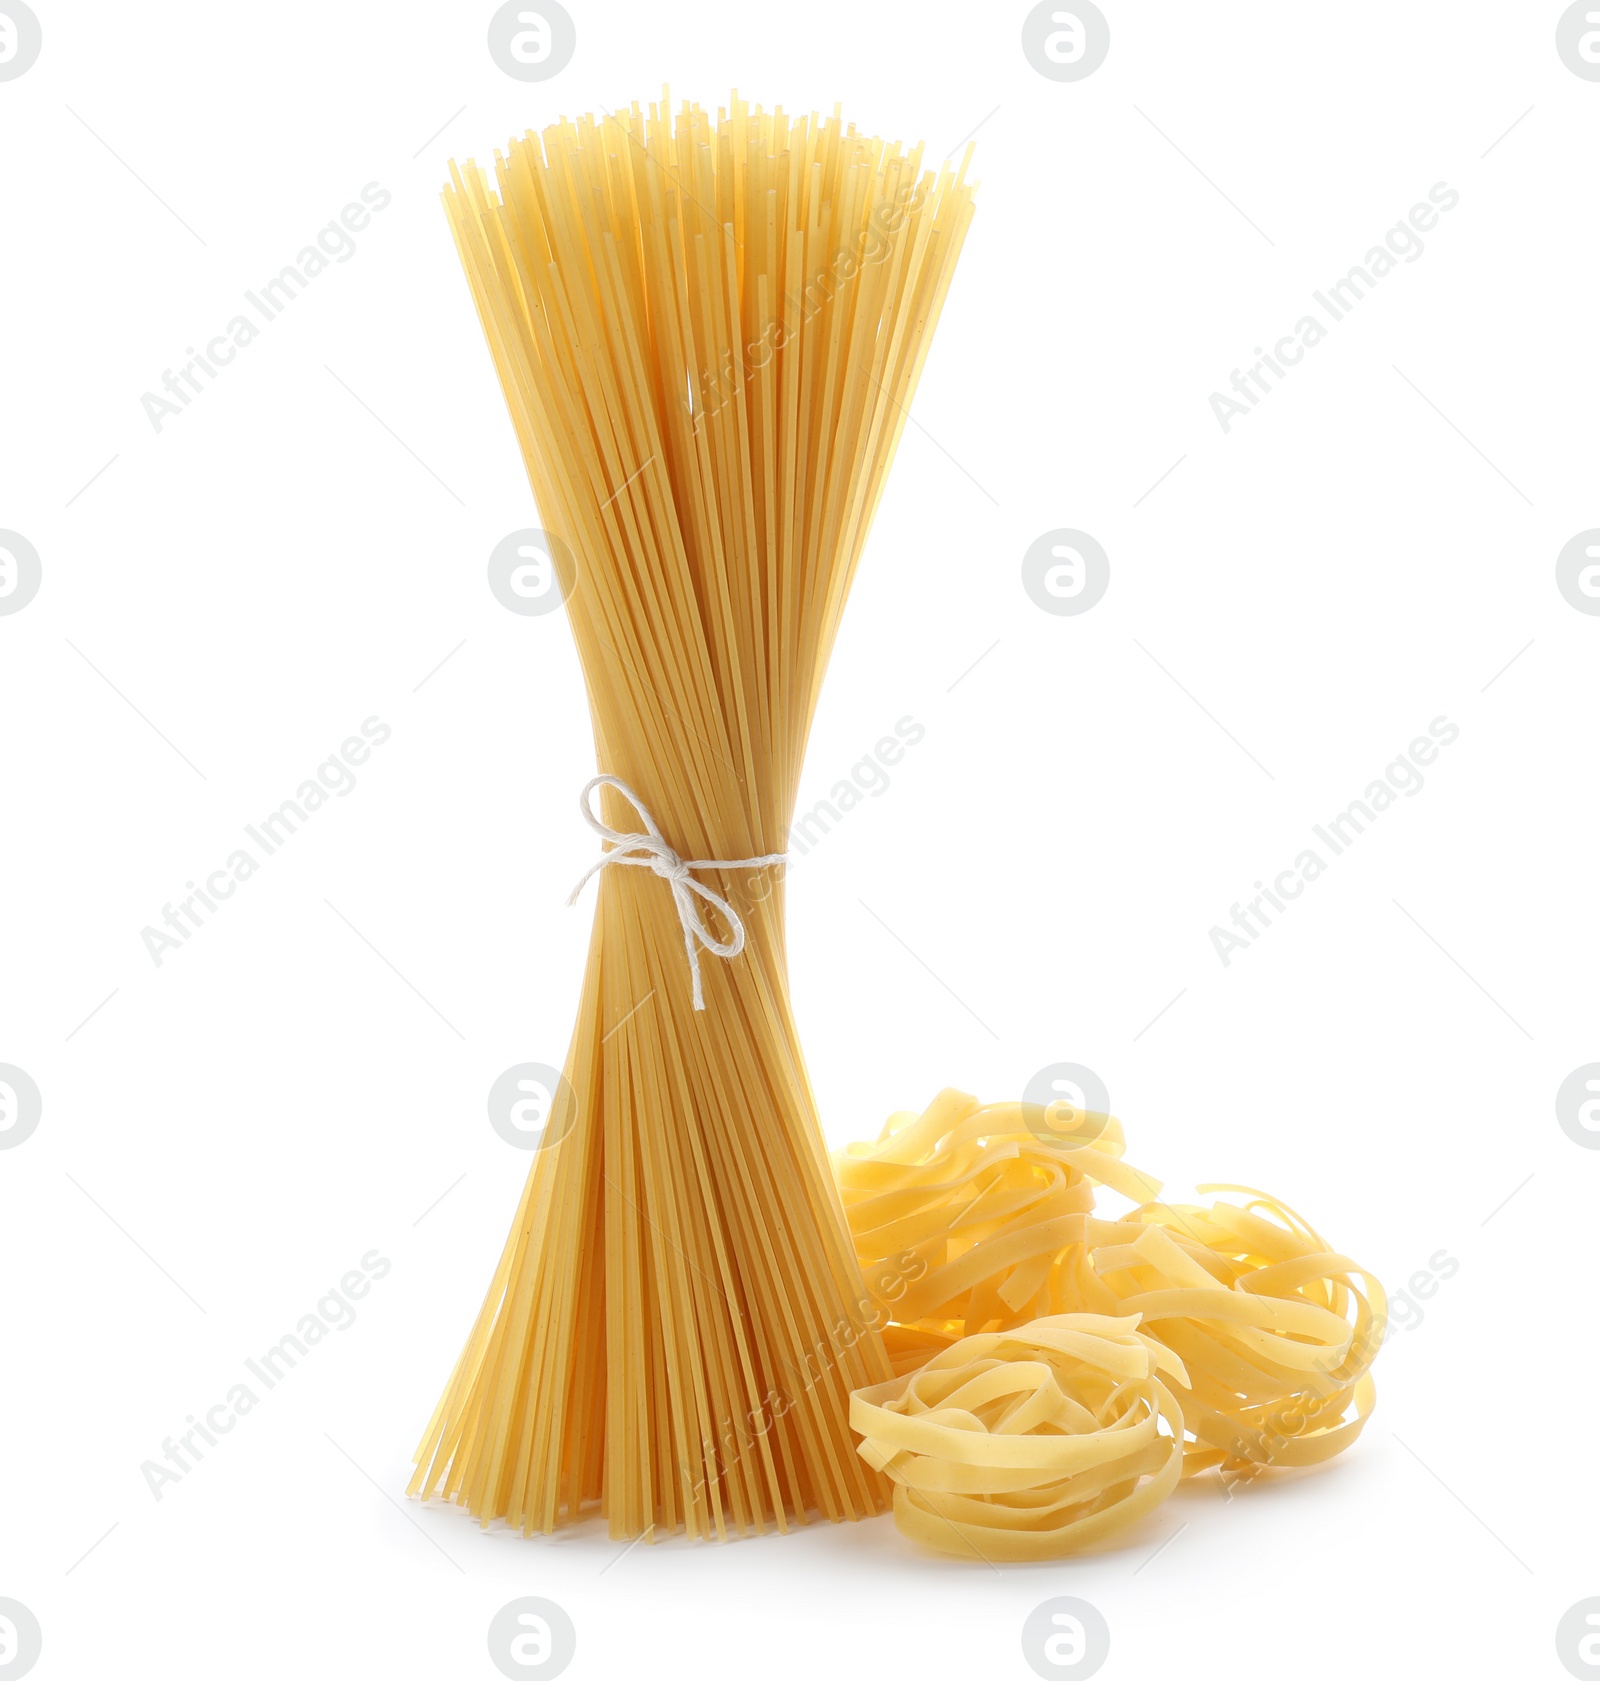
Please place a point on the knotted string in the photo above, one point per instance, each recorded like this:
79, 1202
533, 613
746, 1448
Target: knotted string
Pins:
650, 851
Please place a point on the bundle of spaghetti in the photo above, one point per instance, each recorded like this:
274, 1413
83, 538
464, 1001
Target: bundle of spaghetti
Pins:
1276, 1331
708, 336
1030, 1443
965, 1216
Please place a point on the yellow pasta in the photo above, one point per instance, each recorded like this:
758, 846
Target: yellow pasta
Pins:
1276, 1330
971, 1221
708, 334
964, 1216
1027, 1444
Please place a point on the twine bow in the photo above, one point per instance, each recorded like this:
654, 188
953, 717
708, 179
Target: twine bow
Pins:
649, 850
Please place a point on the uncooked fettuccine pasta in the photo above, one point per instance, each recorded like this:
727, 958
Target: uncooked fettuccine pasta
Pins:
1276, 1330
963, 1216
1031, 1443
978, 1234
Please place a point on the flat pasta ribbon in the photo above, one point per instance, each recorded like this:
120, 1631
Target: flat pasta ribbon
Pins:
961, 1216
1031, 1443
1276, 1330
978, 1236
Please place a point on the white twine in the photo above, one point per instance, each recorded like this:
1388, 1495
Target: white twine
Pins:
650, 851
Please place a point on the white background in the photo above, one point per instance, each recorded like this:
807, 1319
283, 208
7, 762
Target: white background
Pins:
275, 566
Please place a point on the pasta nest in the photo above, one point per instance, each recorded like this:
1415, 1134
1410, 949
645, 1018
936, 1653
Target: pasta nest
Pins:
1277, 1331
974, 1220
1027, 1444
962, 1216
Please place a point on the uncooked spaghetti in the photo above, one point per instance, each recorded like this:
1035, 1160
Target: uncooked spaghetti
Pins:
708, 336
